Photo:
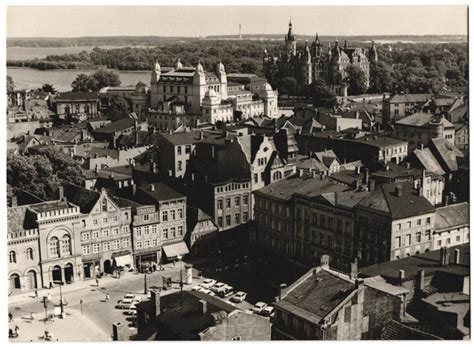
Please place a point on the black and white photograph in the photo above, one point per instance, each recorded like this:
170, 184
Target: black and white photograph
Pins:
215, 172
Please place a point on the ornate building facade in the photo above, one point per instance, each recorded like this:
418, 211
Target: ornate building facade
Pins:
317, 62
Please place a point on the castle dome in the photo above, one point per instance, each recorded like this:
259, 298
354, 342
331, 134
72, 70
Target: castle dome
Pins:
199, 68
178, 64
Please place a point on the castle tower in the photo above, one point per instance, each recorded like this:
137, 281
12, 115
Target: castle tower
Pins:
290, 41
155, 78
221, 74
316, 47
373, 56
199, 88
307, 67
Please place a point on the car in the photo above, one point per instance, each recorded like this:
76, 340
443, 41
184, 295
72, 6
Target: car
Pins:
239, 297
226, 291
217, 287
268, 311
259, 306
127, 303
129, 296
208, 283
132, 310
196, 288
208, 292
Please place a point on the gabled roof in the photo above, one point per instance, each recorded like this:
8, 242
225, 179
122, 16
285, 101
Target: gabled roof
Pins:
195, 215
428, 161
19, 219
409, 98
394, 330
447, 152
451, 216
422, 119
157, 192
84, 198
384, 200
118, 125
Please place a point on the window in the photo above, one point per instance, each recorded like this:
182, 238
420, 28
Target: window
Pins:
227, 220
418, 237
187, 149
418, 222
94, 221
245, 217
139, 244
245, 199
180, 230
428, 234
86, 249
255, 178
12, 256
54, 247
173, 232
115, 231
147, 243
105, 233
164, 216
398, 241
95, 234
180, 165
179, 150
399, 226
237, 201
116, 244
439, 242
180, 213
96, 247
458, 238
219, 221
448, 241
237, 218
219, 204
104, 205
153, 229
408, 240
86, 236
227, 202
236, 338
29, 253
428, 220
105, 220
165, 234
173, 214
155, 242
115, 218
106, 246
66, 245
408, 224
125, 242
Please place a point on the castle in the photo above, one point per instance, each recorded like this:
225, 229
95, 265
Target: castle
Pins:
317, 62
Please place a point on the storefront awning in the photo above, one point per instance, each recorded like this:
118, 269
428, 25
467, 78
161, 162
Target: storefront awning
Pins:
176, 250
123, 260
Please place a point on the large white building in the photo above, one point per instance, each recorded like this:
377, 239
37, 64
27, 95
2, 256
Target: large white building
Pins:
211, 96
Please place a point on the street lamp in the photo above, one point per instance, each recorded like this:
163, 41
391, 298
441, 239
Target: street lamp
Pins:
145, 289
60, 296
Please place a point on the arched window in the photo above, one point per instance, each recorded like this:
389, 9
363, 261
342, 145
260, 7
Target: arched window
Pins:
54, 247
66, 245
29, 253
277, 176
12, 256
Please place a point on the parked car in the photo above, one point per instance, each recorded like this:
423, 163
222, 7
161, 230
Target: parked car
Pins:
239, 297
217, 287
126, 303
196, 288
208, 292
226, 291
268, 311
259, 306
129, 296
132, 310
208, 283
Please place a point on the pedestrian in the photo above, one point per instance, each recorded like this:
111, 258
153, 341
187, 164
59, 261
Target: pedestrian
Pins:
10, 317
97, 282
31, 316
107, 297
36, 293
51, 285
16, 329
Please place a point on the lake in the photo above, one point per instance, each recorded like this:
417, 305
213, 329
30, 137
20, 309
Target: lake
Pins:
27, 53
26, 78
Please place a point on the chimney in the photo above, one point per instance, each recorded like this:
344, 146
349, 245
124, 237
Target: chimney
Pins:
420, 191
300, 172
421, 146
154, 169
401, 277
358, 283
170, 173
155, 303
446, 200
280, 291
371, 185
321, 176
420, 281
444, 256
358, 170
366, 177
212, 152
202, 307
60, 192
192, 177
408, 166
324, 261
354, 270
14, 201
151, 165
398, 191
152, 187
111, 174
457, 256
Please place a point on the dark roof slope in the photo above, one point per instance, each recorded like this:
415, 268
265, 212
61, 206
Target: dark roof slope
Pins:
452, 216
394, 330
385, 200
76, 96
82, 197
159, 192
19, 219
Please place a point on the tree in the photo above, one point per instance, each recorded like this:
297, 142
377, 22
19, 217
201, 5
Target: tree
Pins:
66, 168
106, 78
10, 84
320, 94
48, 88
288, 85
84, 83
357, 80
118, 108
381, 79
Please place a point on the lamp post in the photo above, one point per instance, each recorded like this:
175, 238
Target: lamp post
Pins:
60, 296
145, 291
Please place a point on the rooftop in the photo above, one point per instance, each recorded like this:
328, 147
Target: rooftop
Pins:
48, 206
409, 98
428, 161
397, 331
385, 200
422, 119
452, 216
429, 261
159, 192
76, 96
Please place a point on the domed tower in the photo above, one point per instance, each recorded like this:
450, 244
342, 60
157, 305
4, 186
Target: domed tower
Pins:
199, 88
290, 40
220, 72
373, 56
155, 78
210, 105
316, 47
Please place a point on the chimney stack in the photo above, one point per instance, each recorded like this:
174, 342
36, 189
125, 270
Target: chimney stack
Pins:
60, 192
358, 170
202, 307
155, 303
324, 261
366, 177
444, 256
457, 256
212, 152
354, 270
14, 201
398, 191
401, 277
152, 187
420, 281
408, 166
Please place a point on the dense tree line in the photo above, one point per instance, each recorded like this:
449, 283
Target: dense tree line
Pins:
95, 81
41, 174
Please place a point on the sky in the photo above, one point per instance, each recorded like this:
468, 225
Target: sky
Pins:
74, 21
